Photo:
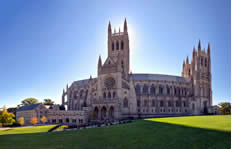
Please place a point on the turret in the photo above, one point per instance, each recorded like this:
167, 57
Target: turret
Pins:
208, 49
194, 52
199, 46
109, 30
99, 65
187, 62
125, 26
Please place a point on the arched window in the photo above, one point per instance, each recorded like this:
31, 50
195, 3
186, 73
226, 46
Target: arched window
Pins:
152, 90
145, 89
112, 46
184, 102
81, 93
160, 90
178, 91
122, 63
117, 45
168, 91
161, 103
75, 95
175, 91
114, 94
125, 103
169, 104
104, 95
109, 95
177, 103
193, 106
138, 103
189, 72
137, 89
153, 103
122, 45
145, 103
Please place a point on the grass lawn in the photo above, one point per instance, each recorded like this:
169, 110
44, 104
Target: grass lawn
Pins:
203, 132
29, 129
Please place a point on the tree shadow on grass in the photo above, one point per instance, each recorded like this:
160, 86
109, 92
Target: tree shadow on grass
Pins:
140, 134
181, 136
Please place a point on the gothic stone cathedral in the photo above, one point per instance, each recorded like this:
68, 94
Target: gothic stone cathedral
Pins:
118, 94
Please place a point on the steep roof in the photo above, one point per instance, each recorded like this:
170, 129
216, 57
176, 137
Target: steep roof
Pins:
83, 82
159, 77
28, 107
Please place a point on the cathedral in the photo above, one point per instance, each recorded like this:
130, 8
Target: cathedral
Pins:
116, 93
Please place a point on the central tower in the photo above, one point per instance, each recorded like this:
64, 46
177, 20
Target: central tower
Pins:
118, 48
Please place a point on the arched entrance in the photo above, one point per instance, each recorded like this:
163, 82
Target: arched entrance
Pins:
111, 113
103, 113
96, 113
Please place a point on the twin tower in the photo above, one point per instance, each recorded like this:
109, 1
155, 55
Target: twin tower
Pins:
199, 72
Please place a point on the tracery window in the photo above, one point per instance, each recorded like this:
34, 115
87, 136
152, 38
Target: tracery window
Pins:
153, 103
138, 103
125, 102
137, 89
169, 104
145, 103
160, 90
109, 95
168, 91
152, 90
145, 89
104, 95
122, 45
177, 103
81, 93
112, 46
161, 103
117, 45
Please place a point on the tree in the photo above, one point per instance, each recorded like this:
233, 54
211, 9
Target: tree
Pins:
48, 102
6, 118
34, 120
225, 107
21, 121
29, 101
43, 119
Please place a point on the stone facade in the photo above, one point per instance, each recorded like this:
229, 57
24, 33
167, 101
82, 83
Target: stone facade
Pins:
118, 94
53, 114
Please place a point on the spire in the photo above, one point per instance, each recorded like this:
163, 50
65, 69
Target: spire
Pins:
199, 45
90, 77
100, 61
119, 30
125, 26
63, 91
187, 60
114, 30
109, 29
208, 49
184, 63
194, 51
67, 87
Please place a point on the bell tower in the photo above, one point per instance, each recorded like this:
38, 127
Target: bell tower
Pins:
118, 48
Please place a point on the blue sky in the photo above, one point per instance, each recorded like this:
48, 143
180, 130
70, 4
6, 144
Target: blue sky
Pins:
46, 44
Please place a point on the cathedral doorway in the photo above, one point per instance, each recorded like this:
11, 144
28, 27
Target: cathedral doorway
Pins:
111, 113
103, 113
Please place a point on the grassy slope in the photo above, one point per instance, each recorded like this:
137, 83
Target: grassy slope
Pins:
218, 122
139, 134
30, 129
